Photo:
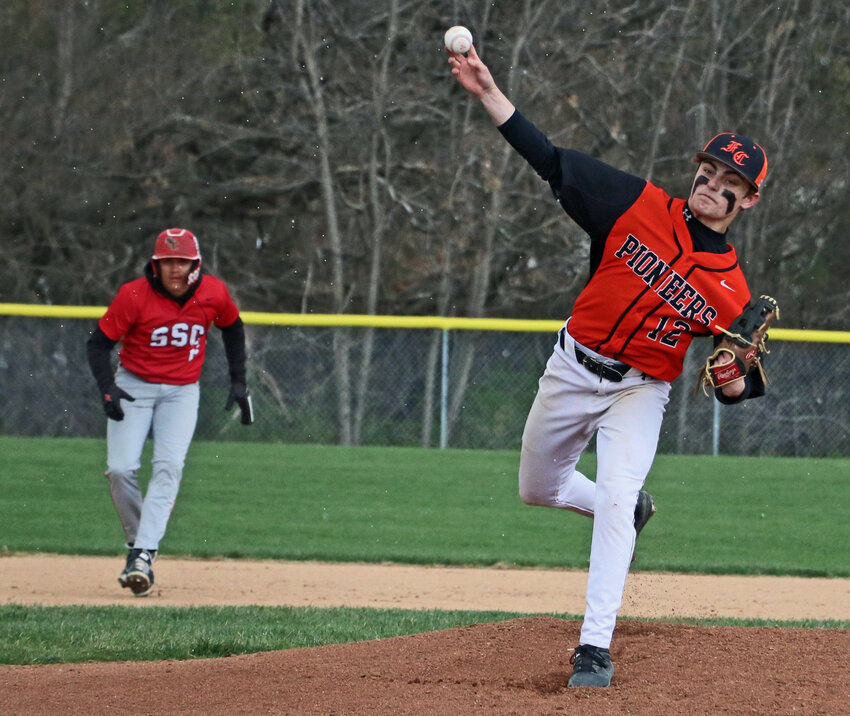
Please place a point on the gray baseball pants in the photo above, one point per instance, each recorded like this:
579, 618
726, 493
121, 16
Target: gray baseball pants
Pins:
169, 413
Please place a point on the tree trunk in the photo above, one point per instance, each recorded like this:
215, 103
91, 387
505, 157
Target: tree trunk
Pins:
312, 86
65, 65
379, 159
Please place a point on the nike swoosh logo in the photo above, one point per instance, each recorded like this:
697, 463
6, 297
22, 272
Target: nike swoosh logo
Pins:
726, 285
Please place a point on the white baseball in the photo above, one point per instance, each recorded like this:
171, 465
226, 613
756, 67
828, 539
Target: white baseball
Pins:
458, 39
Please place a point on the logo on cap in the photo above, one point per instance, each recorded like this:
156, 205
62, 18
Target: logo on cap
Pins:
740, 158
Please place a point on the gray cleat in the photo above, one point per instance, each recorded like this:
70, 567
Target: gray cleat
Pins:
591, 667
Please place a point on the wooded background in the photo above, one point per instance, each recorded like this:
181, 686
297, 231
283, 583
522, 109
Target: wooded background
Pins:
328, 161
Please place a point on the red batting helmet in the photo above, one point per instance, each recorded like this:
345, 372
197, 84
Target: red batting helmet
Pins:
178, 244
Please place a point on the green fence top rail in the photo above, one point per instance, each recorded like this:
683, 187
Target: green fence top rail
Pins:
447, 323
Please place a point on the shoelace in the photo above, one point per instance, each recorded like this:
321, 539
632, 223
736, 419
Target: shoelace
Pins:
141, 563
585, 659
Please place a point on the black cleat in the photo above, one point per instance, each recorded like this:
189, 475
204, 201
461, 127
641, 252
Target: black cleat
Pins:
644, 509
138, 574
591, 666
122, 578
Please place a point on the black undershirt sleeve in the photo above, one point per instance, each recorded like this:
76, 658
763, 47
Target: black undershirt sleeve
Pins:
593, 193
98, 350
234, 348
532, 145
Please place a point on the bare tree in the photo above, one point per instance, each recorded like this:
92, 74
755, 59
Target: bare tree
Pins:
330, 164
380, 169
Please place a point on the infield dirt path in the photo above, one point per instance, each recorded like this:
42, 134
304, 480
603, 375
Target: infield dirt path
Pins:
61, 579
517, 666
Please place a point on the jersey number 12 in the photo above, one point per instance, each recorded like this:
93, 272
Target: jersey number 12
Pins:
668, 337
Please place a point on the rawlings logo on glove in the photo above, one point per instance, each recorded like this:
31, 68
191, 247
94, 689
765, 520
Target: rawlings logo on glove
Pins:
741, 348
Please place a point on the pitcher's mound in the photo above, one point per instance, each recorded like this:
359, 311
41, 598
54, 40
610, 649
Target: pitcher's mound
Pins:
519, 666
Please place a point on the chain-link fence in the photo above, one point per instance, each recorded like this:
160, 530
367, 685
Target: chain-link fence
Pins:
428, 387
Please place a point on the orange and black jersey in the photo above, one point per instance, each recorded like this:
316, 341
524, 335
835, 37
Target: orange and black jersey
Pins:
658, 276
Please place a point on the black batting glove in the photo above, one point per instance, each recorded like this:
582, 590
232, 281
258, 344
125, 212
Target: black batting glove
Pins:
112, 402
240, 394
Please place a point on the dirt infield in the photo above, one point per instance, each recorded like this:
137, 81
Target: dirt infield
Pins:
514, 667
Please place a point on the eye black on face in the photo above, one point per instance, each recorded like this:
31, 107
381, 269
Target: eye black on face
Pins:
699, 181
730, 200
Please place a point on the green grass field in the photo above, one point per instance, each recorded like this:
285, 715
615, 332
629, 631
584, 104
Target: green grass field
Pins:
724, 515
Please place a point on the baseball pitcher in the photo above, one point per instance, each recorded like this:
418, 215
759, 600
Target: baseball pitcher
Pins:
661, 272
161, 320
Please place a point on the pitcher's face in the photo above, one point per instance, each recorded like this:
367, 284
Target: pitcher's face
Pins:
719, 194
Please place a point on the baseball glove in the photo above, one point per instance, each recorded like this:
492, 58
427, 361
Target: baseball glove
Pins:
741, 348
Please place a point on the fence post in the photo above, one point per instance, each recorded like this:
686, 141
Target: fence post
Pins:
444, 391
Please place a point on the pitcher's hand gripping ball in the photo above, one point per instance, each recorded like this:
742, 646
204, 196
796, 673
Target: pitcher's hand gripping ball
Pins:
458, 39
742, 346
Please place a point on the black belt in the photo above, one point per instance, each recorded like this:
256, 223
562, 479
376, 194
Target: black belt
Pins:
614, 372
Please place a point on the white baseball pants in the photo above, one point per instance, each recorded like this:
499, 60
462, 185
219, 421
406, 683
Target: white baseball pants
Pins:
571, 405
170, 413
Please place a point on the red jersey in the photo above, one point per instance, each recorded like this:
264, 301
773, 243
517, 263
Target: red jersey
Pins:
162, 341
652, 292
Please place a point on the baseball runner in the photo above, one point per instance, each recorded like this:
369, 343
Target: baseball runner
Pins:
162, 320
661, 272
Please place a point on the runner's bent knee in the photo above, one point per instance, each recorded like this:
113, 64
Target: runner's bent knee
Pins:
121, 474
